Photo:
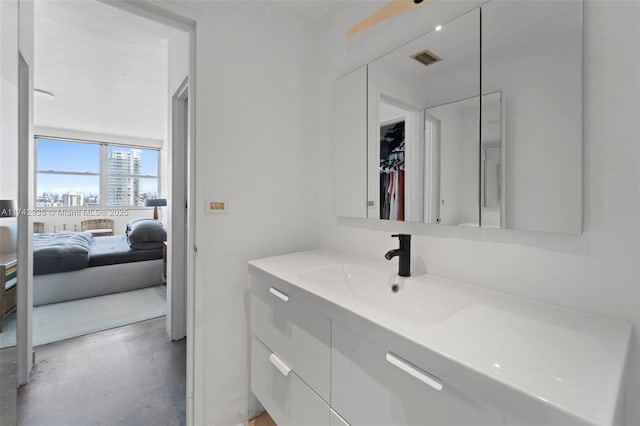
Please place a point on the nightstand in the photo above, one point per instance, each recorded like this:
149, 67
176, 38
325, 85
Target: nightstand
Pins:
8, 283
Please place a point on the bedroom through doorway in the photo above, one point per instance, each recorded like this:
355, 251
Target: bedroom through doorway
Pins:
111, 121
102, 160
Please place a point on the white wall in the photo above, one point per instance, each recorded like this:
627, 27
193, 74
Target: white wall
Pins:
596, 271
178, 58
254, 149
9, 100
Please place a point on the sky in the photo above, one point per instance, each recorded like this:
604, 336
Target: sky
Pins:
82, 157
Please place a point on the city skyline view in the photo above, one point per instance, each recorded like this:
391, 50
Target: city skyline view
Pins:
69, 174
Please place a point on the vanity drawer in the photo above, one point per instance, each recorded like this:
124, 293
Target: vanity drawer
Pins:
287, 399
299, 334
371, 385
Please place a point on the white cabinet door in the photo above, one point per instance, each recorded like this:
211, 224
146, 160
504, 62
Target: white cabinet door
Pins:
350, 144
299, 334
373, 386
287, 399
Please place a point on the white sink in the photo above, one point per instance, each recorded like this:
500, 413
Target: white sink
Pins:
569, 364
405, 298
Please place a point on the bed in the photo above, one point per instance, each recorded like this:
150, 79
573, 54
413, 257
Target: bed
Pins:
75, 265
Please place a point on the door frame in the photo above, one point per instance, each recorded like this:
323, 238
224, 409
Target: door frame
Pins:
177, 261
24, 302
26, 163
156, 13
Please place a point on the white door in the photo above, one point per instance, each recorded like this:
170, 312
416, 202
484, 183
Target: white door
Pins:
432, 169
177, 250
25, 193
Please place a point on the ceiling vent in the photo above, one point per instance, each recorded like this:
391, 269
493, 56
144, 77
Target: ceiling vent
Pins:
426, 57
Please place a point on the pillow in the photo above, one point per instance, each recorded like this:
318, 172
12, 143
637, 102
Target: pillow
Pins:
133, 221
152, 245
145, 234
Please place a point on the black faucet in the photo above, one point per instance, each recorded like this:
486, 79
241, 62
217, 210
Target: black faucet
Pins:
404, 266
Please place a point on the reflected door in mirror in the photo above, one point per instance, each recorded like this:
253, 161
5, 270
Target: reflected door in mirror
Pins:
455, 132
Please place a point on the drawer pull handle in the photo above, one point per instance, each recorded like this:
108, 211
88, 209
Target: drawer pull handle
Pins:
277, 293
281, 366
423, 376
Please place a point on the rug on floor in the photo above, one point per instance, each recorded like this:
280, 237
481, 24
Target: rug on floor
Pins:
60, 321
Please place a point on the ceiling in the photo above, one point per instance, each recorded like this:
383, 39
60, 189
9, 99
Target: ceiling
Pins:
107, 69
311, 9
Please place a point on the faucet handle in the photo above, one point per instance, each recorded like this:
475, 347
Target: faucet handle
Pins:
400, 235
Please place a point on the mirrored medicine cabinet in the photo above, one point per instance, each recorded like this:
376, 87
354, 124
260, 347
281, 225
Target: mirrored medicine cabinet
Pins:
476, 123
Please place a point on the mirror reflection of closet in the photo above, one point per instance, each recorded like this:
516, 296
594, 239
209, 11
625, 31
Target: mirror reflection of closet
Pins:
392, 169
400, 178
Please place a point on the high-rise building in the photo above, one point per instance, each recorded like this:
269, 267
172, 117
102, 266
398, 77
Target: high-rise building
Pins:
72, 199
122, 189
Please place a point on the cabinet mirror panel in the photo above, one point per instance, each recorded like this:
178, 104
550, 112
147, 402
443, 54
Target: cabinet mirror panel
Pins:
424, 110
532, 56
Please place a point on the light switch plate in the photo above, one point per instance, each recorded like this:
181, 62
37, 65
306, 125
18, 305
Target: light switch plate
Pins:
216, 206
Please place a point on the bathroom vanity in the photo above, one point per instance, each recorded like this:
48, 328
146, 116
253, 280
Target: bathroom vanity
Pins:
333, 344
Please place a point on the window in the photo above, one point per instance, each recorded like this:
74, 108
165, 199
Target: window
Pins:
132, 175
84, 174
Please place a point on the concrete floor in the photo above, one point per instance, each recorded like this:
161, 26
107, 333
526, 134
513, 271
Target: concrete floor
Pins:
132, 375
8, 390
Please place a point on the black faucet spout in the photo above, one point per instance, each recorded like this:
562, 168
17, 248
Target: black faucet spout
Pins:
404, 252
392, 253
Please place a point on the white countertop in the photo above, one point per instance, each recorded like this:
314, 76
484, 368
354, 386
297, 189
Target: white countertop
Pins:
570, 359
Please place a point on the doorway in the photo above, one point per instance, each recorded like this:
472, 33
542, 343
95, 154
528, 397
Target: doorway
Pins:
179, 297
179, 190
